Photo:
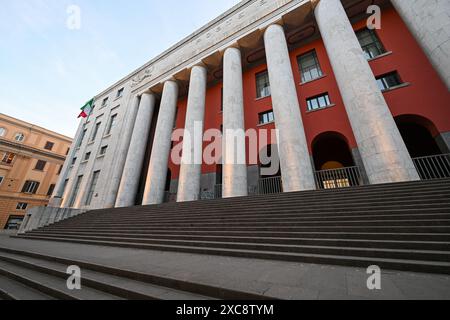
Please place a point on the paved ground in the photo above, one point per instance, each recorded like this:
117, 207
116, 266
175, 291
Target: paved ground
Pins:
284, 280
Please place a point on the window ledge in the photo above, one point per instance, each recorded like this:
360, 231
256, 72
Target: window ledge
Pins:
323, 108
309, 81
403, 85
107, 136
84, 161
91, 142
380, 56
262, 98
265, 124
100, 156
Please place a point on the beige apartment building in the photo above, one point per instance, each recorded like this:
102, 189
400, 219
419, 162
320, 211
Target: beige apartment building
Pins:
31, 160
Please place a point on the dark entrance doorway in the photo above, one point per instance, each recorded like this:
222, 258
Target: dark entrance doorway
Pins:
333, 160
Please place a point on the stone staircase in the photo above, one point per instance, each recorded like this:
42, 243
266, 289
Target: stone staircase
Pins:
402, 226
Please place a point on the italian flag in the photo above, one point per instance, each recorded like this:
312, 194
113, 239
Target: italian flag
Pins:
87, 109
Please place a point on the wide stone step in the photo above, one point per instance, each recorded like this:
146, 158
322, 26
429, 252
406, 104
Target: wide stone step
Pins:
225, 204
199, 290
293, 211
357, 261
338, 242
265, 218
13, 290
83, 219
111, 284
397, 236
49, 284
360, 228
333, 250
379, 191
275, 224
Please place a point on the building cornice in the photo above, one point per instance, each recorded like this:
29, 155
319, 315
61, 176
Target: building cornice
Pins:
219, 33
28, 151
32, 127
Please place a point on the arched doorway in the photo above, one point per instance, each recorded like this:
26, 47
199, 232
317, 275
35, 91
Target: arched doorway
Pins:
334, 163
269, 170
419, 135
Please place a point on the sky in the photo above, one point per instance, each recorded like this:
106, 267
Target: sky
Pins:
51, 62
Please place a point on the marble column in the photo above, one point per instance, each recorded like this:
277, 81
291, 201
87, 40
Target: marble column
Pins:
382, 148
157, 171
129, 183
191, 163
296, 169
234, 150
429, 23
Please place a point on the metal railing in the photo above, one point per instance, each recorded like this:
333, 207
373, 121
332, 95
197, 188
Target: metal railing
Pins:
170, 197
433, 167
218, 191
270, 185
339, 178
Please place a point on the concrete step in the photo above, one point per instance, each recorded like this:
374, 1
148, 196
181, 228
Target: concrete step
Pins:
111, 284
197, 289
276, 217
13, 290
359, 228
293, 211
49, 284
375, 191
339, 242
158, 244
258, 201
407, 254
442, 267
397, 236
274, 224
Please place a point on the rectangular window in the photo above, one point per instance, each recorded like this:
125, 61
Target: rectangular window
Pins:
50, 190
95, 132
49, 145
1, 179
14, 223
8, 158
112, 123
80, 140
318, 102
266, 117
74, 160
87, 156
120, 93
30, 187
22, 206
370, 43
262, 85
75, 191
67, 151
92, 187
309, 66
59, 170
40, 165
104, 102
65, 185
388, 81
103, 150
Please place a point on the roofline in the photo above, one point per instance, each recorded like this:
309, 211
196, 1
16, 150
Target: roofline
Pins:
31, 126
230, 11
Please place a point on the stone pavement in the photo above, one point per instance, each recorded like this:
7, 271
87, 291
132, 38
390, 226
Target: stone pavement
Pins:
284, 280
